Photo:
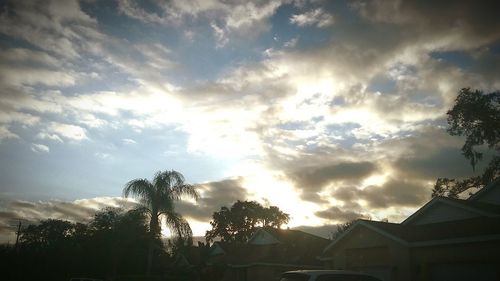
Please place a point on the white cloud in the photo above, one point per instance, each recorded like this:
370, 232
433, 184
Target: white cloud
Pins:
316, 17
39, 148
67, 131
8, 116
156, 56
5, 133
291, 43
19, 76
220, 35
48, 136
234, 17
102, 155
129, 141
133, 10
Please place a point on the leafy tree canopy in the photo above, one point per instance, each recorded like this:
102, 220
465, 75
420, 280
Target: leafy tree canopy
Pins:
48, 233
341, 228
476, 116
238, 223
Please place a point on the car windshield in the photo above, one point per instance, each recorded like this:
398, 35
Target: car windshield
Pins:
294, 277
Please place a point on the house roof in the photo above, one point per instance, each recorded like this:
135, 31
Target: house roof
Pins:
291, 236
467, 228
460, 231
480, 208
483, 191
295, 247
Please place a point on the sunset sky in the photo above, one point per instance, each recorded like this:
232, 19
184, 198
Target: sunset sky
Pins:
330, 110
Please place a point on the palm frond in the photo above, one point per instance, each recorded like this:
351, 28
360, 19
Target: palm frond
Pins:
188, 190
140, 189
161, 181
178, 224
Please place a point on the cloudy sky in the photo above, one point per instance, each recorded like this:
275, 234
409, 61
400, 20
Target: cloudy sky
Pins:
330, 110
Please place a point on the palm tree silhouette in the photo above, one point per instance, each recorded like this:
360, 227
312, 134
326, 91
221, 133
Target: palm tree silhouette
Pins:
158, 197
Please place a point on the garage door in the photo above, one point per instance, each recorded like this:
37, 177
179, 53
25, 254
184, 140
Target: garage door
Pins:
381, 272
465, 272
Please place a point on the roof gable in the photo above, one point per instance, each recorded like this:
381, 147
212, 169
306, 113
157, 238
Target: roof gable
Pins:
370, 226
475, 229
217, 249
442, 209
262, 237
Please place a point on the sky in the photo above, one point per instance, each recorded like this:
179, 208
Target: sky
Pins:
330, 110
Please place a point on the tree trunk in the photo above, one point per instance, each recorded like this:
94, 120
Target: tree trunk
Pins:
154, 230
150, 256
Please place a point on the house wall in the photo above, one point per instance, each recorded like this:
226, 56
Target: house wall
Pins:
368, 251
441, 212
470, 258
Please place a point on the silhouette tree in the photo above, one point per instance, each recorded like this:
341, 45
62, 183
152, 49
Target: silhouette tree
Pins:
119, 238
158, 198
48, 233
341, 228
112, 242
476, 116
238, 223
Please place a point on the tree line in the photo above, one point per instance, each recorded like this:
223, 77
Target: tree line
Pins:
114, 242
119, 242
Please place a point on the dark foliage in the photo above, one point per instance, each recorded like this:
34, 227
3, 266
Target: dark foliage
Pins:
238, 223
476, 116
114, 243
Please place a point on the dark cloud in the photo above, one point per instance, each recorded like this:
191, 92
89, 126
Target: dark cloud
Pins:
23, 204
33, 212
393, 193
339, 214
468, 20
320, 176
310, 180
428, 154
396, 193
446, 162
324, 231
214, 196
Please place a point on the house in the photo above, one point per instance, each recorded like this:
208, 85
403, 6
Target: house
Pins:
446, 239
268, 253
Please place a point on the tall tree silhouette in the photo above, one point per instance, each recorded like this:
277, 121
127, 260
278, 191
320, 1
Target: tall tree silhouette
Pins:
476, 116
159, 197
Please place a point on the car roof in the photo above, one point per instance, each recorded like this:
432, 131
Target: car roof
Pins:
324, 271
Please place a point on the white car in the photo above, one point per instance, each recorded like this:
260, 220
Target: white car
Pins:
326, 275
